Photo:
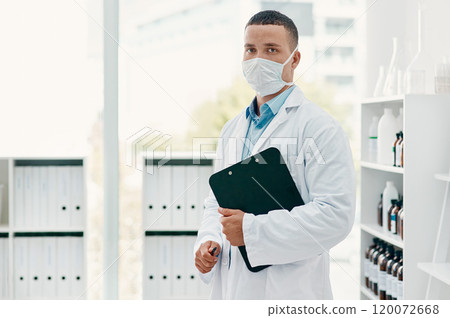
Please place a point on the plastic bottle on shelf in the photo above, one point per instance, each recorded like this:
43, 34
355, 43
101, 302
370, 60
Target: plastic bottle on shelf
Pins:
402, 150
382, 266
372, 142
380, 211
394, 148
398, 151
389, 214
395, 278
367, 262
400, 283
389, 279
376, 256
401, 222
371, 266
399, 119
394, 217
387, 127
389, 193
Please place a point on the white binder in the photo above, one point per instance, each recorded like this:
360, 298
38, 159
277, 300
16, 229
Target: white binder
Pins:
35, 267
192, 197
52, 212
63, 199
3, 268
19, 219
150, 198
151, 264
164, 194
178, 197
204, 188
192, 280
28, 196
43, 196
165, 272
35, 201
49, 267
62, 267
178, 261
76, 203
76, 277
21, 268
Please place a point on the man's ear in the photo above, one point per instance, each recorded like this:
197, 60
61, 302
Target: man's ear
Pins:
296, 59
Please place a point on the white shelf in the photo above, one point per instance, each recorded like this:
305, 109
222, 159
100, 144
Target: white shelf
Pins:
439, 271
380, 167
383, 99
368, 293
4, 229
378, 231
442, 176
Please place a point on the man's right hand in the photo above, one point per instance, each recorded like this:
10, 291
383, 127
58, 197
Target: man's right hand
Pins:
204, 260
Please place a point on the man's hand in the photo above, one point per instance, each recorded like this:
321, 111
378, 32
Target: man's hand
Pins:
232, 225
204, 260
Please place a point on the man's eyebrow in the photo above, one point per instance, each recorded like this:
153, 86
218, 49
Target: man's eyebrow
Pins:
249, 45
270, 44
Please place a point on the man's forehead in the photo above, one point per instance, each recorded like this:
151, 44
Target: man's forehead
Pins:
267, 34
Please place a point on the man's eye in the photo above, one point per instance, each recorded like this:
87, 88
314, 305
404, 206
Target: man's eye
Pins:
272, 50
250, 50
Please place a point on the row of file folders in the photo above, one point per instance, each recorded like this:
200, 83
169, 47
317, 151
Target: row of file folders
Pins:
169, 269
48, 197
46, 268
174, 195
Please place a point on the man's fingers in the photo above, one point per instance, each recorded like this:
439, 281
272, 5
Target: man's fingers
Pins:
227, 212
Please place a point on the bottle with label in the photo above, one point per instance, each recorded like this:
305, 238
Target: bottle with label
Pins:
401, 220
371, 267
387, 127
380, 211
382, 266
394, 148
398, 151
402, 150
400, 283
395, 278
367, 261
373, 136
376, 256
389, 193
394, 216
389, 279
393, 205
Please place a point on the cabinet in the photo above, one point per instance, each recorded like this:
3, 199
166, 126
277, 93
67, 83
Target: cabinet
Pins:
42, 228
426, 129
174, 191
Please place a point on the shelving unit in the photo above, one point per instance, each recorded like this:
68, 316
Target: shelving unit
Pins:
425, 122
62, 274
174, 191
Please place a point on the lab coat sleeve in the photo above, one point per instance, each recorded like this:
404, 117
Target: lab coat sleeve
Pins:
211, 228
282, 237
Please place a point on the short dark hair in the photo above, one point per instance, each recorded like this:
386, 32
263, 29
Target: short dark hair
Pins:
276, 18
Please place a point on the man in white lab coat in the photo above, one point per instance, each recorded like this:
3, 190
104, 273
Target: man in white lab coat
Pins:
318, 156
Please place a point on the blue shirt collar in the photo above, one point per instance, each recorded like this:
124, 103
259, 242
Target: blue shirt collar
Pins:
272, 105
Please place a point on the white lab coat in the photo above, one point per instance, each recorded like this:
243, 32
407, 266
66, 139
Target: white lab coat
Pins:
296, 242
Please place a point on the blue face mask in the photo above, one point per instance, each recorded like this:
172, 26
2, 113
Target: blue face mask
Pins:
264, 76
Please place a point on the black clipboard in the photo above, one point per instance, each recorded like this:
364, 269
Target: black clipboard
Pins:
257, 185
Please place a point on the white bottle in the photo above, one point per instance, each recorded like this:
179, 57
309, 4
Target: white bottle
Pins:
387, 128
372, 142
400, 120
389, 193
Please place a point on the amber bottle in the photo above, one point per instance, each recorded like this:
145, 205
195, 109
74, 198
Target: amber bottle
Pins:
400, 222
380, 211
367, 261
400, 283
376, 256
382, 266
393, 205
395, 278
394, 217
389, 265
371, 269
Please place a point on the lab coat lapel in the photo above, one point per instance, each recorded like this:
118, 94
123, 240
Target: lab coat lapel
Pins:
294, 99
